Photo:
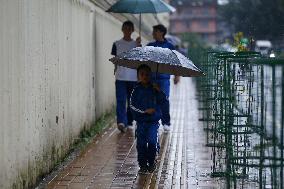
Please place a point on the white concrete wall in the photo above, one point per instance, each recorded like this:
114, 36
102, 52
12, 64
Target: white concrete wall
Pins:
107, 30
55, 79
47, 57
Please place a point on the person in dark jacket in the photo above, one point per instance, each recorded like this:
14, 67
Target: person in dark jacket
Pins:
161, 79
148, 105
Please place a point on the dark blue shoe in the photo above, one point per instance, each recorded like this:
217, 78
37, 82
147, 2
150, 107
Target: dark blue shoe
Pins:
143, 171
152, 168
121, 127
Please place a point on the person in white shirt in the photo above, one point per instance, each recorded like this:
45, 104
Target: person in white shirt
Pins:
126, 78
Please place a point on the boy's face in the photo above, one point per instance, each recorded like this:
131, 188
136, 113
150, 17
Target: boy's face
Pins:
157, 35
144, 76
127, 30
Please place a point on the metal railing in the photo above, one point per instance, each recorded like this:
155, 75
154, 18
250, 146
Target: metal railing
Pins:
242, 101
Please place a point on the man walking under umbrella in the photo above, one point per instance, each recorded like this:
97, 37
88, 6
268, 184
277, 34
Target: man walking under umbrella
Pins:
162, 80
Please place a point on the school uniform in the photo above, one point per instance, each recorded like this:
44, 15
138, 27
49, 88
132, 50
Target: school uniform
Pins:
126, 79
163, 80
143, 98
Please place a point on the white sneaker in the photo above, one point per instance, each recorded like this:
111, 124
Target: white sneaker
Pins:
132, 126
167, 128
121, 127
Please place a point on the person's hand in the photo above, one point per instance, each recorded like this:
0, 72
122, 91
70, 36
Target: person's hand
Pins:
156, 87
176, 79
138, 41
150, 111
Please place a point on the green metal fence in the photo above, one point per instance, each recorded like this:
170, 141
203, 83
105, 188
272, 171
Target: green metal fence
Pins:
242, 101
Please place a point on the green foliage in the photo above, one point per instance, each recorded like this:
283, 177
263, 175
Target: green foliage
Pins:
261, 19
196, 47
280, 54
194, 41
87, 134
240, 42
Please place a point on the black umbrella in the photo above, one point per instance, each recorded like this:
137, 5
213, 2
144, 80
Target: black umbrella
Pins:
161, 60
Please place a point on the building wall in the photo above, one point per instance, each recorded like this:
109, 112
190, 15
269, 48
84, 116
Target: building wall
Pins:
198, 17
46, 73
107, 30
55, 79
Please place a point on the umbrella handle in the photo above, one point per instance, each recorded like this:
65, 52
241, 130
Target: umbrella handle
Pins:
140, 20
157, 71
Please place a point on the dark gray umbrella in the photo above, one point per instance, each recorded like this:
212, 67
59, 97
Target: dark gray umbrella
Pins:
160, 60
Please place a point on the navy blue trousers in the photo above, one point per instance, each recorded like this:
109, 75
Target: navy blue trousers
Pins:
147, 143
123, 93
164, 85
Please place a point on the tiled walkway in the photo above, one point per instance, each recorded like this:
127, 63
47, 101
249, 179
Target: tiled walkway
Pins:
110, 160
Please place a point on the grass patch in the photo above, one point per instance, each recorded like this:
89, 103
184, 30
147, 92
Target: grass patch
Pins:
29, 178
88, 133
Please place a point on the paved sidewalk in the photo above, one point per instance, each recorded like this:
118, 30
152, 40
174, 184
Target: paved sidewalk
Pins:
110, 161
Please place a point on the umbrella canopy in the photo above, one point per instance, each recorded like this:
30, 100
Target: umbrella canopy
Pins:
141, 6
160, 60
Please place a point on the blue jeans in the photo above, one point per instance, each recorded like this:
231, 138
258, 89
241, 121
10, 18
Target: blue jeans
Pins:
147, 143
123, 93
164, 85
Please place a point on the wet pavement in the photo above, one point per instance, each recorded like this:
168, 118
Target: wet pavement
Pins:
110, 161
